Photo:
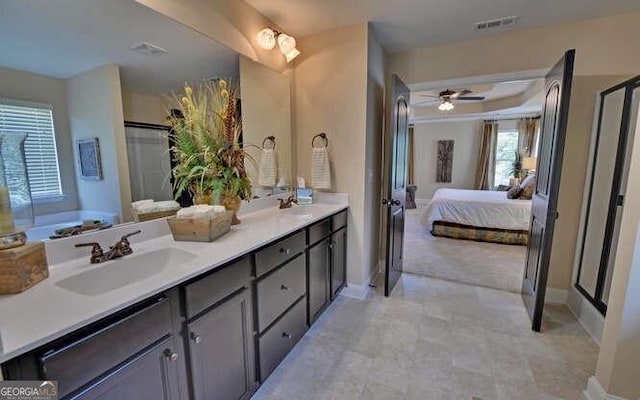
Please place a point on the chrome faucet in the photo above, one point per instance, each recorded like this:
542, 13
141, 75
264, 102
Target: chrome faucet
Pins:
120, 249
287, 203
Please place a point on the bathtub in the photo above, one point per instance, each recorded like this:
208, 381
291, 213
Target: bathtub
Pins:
46, 225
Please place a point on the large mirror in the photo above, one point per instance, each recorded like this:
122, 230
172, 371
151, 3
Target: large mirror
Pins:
107, 70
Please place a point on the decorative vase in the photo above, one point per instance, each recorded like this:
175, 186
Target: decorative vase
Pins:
232, 203
202, 198
15, 195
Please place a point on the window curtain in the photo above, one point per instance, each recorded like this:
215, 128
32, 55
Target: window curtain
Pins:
485, 172
527, 131
410, 151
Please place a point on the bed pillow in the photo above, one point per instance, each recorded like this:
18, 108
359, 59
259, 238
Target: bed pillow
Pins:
530, 180
514, 192
527, 193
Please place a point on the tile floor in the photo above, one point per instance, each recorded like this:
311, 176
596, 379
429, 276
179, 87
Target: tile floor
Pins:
491, 265
435, 339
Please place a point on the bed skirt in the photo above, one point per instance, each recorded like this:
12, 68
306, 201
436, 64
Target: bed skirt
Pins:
480, 234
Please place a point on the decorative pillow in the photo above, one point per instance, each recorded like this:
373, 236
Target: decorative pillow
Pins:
514, 192
530, 180
527, 193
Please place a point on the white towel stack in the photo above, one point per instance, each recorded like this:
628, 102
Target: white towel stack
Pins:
200, 212
320, 168
268, 170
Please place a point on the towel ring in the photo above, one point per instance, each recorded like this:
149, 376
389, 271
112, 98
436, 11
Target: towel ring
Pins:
322, 136
269, 139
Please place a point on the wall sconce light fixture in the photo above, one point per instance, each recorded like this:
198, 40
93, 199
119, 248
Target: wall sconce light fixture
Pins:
268, 38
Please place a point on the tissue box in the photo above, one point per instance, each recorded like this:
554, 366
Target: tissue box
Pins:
200, 229
22, 267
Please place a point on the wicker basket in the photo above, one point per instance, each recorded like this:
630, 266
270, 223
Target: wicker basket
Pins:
200, 230
148, 216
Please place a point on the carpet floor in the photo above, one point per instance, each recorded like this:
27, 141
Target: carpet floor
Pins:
496, 266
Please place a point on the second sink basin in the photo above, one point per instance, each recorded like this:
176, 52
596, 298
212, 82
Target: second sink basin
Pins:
124, 271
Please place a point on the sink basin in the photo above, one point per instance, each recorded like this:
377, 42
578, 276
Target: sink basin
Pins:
300, 211
124, 271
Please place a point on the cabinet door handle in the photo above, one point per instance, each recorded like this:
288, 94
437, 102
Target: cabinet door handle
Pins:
171, 355
286, 335
196, 338
284, 287
285, 251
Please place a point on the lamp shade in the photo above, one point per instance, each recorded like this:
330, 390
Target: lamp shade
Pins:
286, 43
292, 54
267, 38
529, 163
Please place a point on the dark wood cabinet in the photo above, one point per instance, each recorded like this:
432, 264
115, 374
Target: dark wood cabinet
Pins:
319, 264
215, 336
221, 351
151, 375
338, 261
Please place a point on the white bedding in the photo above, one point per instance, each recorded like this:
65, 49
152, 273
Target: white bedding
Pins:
481, 208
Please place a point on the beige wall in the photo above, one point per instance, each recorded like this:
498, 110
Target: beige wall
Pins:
376, 68
466, 146
330, 95
600, 52
94, 99
266, 111
24, 86
603, 45
145, 108
617, 369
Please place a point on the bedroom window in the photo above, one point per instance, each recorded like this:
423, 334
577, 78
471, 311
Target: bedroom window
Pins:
506, 148
40, 146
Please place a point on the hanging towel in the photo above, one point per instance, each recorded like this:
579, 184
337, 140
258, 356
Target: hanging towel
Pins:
320, 168
268, 171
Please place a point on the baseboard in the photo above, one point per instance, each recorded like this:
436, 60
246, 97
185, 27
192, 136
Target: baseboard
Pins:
589, 317
359, 292
556, 296
594, 391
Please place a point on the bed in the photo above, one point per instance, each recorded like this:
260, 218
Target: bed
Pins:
480, 215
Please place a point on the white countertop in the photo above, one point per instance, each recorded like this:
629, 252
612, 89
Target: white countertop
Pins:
47, 312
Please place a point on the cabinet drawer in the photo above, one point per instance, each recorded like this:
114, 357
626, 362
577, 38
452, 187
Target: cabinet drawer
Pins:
215, 287
276, 254
85, 359
339, 220
277, 341
319, 231
280, 290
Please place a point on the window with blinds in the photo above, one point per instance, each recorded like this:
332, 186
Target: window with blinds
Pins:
40, 146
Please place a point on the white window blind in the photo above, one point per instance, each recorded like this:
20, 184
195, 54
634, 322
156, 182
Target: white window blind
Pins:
40, 146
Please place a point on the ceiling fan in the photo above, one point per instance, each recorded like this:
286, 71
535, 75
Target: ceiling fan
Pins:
446, 97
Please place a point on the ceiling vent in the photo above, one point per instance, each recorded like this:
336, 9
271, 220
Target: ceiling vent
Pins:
497, 23
148, 49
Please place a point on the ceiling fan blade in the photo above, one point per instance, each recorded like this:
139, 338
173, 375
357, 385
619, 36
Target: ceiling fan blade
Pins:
459, 93
471, 98
429, 95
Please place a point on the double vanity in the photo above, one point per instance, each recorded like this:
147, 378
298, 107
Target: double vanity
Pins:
180, 320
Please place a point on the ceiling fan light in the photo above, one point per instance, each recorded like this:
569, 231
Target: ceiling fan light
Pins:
446, 106
293, 53
286, 43
267, 38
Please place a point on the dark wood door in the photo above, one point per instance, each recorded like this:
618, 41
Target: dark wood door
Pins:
152, 375
545, 198
397, 128
338, 261
318, 278
221, 350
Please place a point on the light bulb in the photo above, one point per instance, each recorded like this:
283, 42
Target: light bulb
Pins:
267, 38
292, 54
446, 106
286, 43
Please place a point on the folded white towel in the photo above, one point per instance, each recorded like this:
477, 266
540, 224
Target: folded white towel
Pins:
320, 168
268, 171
